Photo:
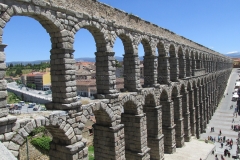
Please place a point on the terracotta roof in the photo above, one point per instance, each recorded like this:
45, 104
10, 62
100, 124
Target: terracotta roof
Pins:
85, 63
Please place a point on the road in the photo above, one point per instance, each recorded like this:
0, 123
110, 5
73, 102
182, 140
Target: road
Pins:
13, 85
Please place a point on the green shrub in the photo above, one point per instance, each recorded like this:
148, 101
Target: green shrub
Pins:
42, 142
91, 153
37, 130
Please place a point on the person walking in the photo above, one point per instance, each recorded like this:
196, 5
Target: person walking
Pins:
222, 158
216, 158
220, 132
233, 120
221, 144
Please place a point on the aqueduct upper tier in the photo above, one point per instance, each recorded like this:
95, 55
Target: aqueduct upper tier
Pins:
183, 84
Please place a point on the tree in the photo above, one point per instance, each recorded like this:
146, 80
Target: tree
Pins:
18, 71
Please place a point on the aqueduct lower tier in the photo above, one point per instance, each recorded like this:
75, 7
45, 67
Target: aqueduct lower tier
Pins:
183, 84
135, 125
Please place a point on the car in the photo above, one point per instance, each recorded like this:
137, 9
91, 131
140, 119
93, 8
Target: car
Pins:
31, 105
22, 103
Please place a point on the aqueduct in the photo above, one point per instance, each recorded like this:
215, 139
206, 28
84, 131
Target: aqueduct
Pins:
183, 84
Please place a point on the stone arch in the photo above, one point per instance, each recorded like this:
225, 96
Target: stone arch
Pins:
163, 64
191, 108
154, 126
174, 65
61, 46
188, 63
193, 54
148, 51
134, 126
185, 113
98, 32
178, 118
107, 133
182, 63
131, 61
168, 126
127, 41
197, 58
104, 55
148, 92
149, 68
65, 135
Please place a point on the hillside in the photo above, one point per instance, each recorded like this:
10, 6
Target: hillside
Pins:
83, 59
233, 55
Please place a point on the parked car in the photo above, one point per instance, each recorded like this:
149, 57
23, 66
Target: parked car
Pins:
22, 103
31, 105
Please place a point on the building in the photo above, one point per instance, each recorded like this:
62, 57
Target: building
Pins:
236, 62
87, 88
85, 70
42, 80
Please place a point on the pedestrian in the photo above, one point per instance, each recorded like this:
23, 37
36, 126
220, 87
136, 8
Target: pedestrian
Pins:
233, 120
232, 127
224, 138
228, 154
220, 132
222, 157
221, 144
216, 158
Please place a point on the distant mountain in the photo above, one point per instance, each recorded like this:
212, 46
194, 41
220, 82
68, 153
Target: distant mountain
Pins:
27, 62
84, 59
233, 55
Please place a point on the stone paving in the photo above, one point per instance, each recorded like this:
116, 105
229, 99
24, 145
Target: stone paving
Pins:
193, 150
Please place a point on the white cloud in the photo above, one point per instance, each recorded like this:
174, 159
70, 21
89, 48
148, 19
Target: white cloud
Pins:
232, 52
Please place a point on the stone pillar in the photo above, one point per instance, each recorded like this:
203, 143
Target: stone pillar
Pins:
105, 75
197, 112
168, 127
131, 73
163, 70
211, 66
182, 67
201, 109
198, 64
109, 142
3, 83
207, 110
204, 117
174, 69
186, 116
150, 71
64, 95
205, 66
188, 67
193, 65
155, 137
135, 130
78, 150
178, 120
192, 113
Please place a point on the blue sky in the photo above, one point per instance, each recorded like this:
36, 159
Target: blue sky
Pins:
212, 23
